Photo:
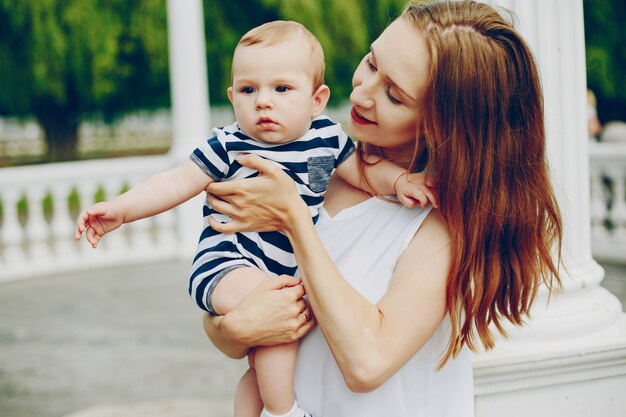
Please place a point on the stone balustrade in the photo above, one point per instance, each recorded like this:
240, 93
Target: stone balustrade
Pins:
40, 204
608, 201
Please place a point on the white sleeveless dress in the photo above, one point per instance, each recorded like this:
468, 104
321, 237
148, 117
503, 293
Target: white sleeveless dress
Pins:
365, 241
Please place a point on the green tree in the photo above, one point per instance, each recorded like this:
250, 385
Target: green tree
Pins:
344, 28
62, 59
224, 24
606, 56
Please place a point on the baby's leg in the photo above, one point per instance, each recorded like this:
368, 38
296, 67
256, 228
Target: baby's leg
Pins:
274, 364
275, 367
234, 287
248, 401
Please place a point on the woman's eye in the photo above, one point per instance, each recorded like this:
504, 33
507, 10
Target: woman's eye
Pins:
282, 89
247, 90
371, 66
390, 97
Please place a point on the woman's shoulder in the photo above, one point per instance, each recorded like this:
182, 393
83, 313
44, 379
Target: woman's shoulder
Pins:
435, 224
433, 234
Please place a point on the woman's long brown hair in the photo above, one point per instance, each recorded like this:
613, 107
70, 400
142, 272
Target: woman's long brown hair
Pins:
485, 144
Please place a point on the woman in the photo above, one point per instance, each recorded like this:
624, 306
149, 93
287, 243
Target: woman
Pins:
401, 295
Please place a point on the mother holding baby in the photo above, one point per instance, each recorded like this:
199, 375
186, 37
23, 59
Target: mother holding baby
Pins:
400, 296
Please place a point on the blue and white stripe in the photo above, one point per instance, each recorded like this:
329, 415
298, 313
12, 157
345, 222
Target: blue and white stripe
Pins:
269, 251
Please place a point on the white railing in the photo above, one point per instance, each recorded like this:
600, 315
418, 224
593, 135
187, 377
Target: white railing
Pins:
37, 224
37, 240
608, 201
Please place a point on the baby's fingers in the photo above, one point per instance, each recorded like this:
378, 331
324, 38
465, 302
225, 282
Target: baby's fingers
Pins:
92, 236
81, 225
432, 197
409, 202
423, 196
421, 199
78, 232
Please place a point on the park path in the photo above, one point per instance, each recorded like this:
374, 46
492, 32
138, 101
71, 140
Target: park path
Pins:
110, 342
119, 342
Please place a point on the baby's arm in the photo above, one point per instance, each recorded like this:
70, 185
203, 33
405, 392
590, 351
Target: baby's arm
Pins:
158, 193
411, 188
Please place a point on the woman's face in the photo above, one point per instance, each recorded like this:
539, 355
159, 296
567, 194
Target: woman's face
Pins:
389, 86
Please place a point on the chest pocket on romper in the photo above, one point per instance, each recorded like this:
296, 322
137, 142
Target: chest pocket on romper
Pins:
319, 169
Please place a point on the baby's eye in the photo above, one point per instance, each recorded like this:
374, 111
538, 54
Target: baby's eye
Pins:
282, 89
247, 90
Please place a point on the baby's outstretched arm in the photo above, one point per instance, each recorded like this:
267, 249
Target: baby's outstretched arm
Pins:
412, 189
98, 220
415, 189
158, 193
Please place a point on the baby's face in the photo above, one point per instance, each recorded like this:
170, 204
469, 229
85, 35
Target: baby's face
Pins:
272, 92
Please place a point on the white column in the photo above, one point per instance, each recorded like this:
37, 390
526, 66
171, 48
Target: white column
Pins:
12, 235
570, 360
37, 229
65, 249
190, 103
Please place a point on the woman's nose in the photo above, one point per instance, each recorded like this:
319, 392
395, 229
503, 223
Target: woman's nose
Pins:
361, 95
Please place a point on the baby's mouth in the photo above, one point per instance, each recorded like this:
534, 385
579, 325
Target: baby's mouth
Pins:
265, 123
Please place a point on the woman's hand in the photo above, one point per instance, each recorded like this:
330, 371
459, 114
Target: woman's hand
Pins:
274, 313
265, 203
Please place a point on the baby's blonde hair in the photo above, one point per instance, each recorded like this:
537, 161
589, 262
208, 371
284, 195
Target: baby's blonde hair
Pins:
273, 33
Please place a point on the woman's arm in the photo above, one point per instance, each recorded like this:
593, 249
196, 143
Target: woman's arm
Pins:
370, 342
274, 313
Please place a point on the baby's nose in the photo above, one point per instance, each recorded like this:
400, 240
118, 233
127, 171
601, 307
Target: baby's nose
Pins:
263, 100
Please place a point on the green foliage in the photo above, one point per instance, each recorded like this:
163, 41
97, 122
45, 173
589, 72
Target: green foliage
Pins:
606, 55
224, 23
22, 209
344, 28
73, 203
84, 55
62, 59
340, 28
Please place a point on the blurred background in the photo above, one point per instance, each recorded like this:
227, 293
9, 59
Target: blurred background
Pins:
90, 79
82, 81
78, 76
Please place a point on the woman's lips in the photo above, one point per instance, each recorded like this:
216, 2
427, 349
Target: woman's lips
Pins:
357, 118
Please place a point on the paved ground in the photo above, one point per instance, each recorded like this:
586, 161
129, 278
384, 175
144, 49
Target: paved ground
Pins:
109, 337
119, 342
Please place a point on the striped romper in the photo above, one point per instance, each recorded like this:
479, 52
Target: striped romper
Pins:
309, 160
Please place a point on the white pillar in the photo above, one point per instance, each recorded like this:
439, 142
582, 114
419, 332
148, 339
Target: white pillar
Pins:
190, 102
570, 360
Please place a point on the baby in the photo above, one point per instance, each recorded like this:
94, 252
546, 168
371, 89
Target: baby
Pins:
278, 94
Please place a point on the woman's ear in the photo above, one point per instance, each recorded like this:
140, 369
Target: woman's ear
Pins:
320, 99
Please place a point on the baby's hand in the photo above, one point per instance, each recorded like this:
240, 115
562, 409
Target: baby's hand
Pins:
415, 189
98, 220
